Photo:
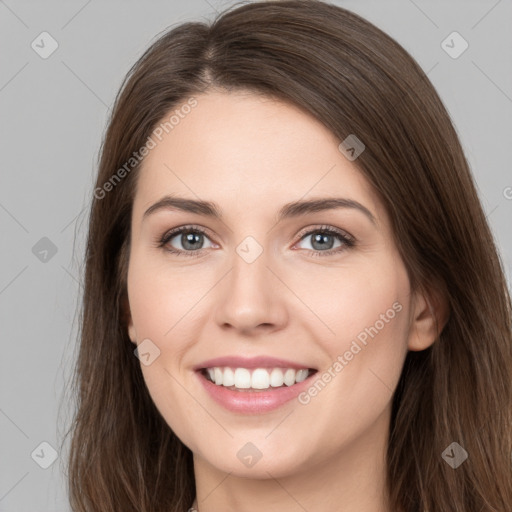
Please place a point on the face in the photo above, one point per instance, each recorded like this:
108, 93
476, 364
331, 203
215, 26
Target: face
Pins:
302, 316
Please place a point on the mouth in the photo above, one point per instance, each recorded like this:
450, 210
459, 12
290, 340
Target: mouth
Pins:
255, 379
253, 386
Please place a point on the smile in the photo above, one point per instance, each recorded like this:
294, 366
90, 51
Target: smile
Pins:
245, 379
254, 385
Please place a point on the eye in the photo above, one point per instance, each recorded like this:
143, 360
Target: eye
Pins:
189, 240
323, 240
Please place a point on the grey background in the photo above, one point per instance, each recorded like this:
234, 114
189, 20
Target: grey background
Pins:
53, 116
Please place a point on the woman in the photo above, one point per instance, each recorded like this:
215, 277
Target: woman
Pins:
340, 336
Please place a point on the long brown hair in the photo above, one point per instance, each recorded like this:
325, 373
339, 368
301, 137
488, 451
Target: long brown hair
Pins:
355, 79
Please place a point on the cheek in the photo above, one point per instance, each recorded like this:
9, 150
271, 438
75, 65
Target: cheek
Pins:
159, 297
366, 298
367, 312
159, 313
360, 324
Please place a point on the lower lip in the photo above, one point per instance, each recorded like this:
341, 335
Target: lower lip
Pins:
253, 402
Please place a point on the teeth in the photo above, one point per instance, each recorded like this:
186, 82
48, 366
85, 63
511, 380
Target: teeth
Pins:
260, 378
228, 378
276, 378
289, 377
242, 378
301, 375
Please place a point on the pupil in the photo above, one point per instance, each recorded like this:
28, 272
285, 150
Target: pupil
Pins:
190, 238
320, 238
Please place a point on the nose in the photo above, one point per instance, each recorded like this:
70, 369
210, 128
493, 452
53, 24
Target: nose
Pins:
252, 298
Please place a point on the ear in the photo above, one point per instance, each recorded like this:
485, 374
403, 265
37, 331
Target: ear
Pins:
430, 314
127, 319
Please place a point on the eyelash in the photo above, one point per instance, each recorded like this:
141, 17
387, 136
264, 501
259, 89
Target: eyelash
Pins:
347, 240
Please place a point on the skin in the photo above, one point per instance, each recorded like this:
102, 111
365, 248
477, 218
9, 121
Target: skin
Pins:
251, 155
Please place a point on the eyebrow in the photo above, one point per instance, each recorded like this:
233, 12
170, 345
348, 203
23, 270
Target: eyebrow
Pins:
289, 210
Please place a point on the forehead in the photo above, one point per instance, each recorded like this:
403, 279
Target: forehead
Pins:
252, 151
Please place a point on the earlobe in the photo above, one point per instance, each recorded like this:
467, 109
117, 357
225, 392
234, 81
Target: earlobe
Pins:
131, 332
128, 321
431, 313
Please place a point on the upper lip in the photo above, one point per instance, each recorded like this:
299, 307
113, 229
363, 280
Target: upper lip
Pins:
250, 362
